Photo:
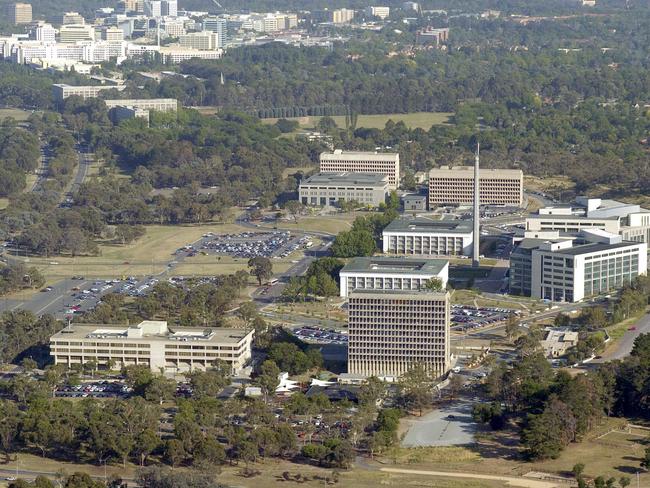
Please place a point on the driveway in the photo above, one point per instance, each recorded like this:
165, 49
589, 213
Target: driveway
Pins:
451, 425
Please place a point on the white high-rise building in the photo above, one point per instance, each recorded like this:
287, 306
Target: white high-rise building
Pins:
153, 8
205, 40
72, 18
381, 12
219, 26
170, 8
43, 32
362, 162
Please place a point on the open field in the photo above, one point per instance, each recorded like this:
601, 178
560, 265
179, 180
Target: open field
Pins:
330, 225
15, 113
208, 265
148, 255
422, 120
318, 310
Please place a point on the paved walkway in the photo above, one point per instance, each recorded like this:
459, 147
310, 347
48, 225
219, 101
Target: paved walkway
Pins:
508, 480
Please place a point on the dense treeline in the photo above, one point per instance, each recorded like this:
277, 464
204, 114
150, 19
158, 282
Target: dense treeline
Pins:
20, 330
16, 277
19, 153
558, 408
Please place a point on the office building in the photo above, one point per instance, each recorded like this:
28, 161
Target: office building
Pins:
414, 202
153, 8
72, 18
120, 113
411, 7
219, 26
421, 236
630, 221
331, 188
342, 16
432, 36
43, 32
173, 27
175, 55
19, 13
381, 12
72, 33
341, 161
153, 344
205, 40
571, 269
169, 8
157, 104
391, 273
62, 91
455, 186
390, 332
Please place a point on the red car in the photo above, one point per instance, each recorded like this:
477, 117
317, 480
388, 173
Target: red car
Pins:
632, 328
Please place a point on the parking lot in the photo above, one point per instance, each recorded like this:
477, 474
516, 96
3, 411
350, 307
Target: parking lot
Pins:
465, 317
98, 389
320, 335
247, 245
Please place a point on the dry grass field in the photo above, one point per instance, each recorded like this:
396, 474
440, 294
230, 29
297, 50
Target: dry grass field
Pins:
422, 120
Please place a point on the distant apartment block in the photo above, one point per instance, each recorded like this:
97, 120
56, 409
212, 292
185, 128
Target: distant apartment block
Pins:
113, 34
341, 161
120, 113
153, 344
333, 188
177, 55
62, 91
421, 236
342, 16
455, 186
205, 40
19, 13
381, 12
569, 269
390, 332
630, 221
391, 273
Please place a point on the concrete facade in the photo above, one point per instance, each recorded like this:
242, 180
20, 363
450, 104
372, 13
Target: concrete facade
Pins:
153, 344
362, 162
427, 237
455, 186
390, 332
391, 273
331, 188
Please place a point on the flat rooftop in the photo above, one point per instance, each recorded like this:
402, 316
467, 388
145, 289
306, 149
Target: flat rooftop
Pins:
398, 294
395, 265
468, 172
348, 179
359, 156
157, 333
593, 247
423, 224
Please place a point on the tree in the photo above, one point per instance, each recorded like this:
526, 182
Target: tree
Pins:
160, 389
147, 442
512, 327
261, 268
577, 470
434, 284
268, 378
645, 462
209, 453
175, 452
208, 383
416, 388
247, 311
295, 208
624, 481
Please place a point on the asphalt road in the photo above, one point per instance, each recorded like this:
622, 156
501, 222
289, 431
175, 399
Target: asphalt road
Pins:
626, 343
85, 160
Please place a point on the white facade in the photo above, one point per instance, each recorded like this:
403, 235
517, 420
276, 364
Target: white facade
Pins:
170, 8
153, 344
205, 41
562, 271
153, 8
72, 18
427, 237
382, 273
173, 55
324, 189
342, 16
72, 33
44, 32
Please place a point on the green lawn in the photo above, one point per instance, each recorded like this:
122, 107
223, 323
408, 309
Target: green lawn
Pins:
15, 113
422, 120
4, 203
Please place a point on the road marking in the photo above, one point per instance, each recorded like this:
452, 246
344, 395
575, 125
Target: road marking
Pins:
16, 306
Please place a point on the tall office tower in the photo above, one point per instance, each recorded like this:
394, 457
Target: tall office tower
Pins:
219, 26
153, 8
73, 33
170, 8
19, 13
392, 331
